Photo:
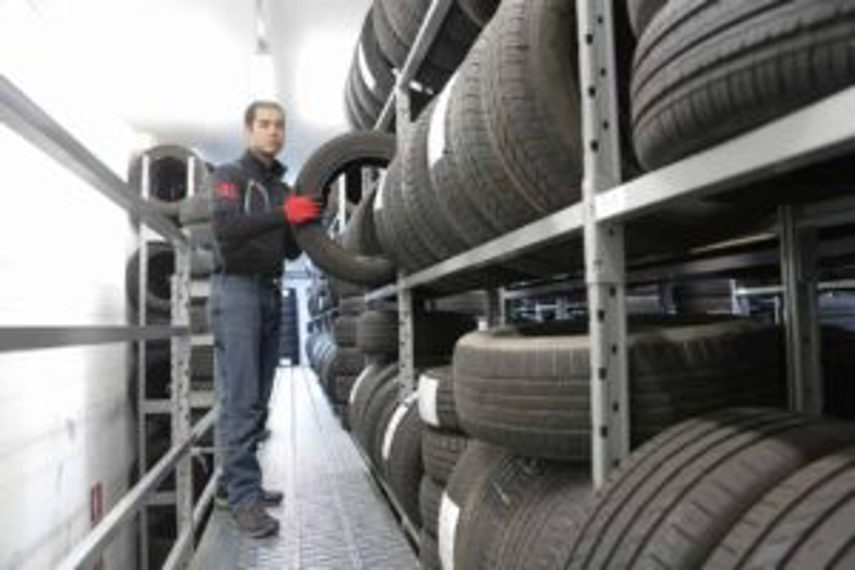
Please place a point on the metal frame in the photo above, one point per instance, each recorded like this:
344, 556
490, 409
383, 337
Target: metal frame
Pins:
31, 122
21, 114
87, 551
806, 136
801, 313
605, 257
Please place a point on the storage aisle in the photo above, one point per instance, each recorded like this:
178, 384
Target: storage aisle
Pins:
333, 516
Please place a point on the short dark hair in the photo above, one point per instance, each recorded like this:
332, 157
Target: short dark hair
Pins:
249, 114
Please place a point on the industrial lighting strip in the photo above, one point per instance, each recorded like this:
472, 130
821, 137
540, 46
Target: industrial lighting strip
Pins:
26, 118
87, 551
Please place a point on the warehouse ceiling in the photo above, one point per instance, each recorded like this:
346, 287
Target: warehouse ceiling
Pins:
184, 70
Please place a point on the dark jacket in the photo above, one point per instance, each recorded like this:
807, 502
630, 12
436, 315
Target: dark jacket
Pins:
253, 237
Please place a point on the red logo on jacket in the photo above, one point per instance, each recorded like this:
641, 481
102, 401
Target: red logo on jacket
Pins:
227, 190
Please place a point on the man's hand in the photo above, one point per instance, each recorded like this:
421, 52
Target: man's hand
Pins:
301, 209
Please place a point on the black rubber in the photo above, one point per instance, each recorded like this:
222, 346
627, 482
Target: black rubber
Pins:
527, 387
321, 169
676, 498
344, 331
506, 511
375, 376
805, 522
470, 474
429, 552
641, 12
435, 333
403, 468
167, 175
440, 412
430, 494
441, 451
479, 11
708, 70
531, 98
161, 267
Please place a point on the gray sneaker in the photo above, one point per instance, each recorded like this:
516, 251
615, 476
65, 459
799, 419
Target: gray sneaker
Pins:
252, 520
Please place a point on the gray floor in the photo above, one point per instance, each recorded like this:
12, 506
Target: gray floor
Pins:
333, 517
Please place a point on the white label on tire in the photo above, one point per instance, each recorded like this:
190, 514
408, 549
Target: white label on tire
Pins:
428, 389
365, 70
359, 380
378, 196
449, 515
394, 423
436, 131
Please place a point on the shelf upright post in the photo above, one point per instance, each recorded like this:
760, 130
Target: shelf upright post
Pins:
406, 327
180, 396
605, 265
495, 307
801, 313
142, 380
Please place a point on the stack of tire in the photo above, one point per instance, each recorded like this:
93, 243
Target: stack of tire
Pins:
443, 443
523, 394
388, 33
168, 177
388, 429
344, 362
499, 148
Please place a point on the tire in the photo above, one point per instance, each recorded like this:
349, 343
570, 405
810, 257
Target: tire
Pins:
436, 333
440, 453
531, 99
202, 362
379, 414
706, 71
351, 306
402, 457
641, 13
676, 498
343, 385
420, 199
430, 495
429, 552
365, 387
527, 387
479, 11
460, 209
386, 231
346, 362
436, 399
374, 67
322, 168
344, 331
506, 511
469, 474
167, 175
805, 522
161, 266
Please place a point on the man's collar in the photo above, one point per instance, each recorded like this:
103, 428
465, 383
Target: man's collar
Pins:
251, 161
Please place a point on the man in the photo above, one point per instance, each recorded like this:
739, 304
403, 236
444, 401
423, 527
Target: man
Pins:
253, 211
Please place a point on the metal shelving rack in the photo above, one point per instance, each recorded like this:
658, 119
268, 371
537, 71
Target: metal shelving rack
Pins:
807, 136
27, 119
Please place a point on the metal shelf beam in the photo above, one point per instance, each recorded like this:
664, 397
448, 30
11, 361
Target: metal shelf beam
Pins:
561, 224
35, 338
807, 136
424, 40
26, 118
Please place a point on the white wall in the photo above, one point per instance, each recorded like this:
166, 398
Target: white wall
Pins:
66, 421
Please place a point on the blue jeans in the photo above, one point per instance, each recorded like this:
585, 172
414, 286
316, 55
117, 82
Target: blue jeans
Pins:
245, 318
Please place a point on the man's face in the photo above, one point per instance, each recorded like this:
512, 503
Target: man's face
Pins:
267, 133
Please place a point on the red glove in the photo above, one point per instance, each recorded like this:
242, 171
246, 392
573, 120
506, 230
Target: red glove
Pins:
301, 209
